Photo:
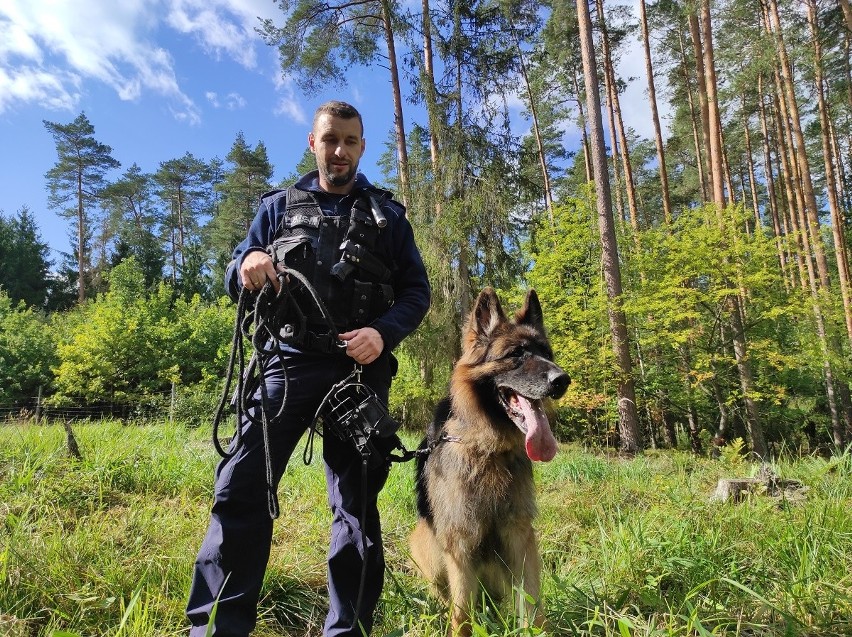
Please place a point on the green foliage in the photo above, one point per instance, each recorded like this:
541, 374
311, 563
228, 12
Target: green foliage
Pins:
319, 42
129, 344
75, 183
242, 185
133, 218
412, 400
27, 351
678, 280
732, 454
566, 274
185, 188
24, 260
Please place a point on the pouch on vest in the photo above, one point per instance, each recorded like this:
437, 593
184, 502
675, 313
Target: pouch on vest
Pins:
369, 300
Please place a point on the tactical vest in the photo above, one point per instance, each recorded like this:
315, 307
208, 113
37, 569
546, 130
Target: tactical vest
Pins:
338, 255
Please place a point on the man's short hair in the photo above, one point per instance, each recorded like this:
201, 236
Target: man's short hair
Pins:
336, 108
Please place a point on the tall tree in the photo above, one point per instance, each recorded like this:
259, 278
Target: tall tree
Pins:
831, 190
655, 114
24, 263
321, 40
184, 188
133, 217
738, 335
619, 142
631, 441
243, 183
75, 183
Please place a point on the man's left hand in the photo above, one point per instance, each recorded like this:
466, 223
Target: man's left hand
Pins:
364, 344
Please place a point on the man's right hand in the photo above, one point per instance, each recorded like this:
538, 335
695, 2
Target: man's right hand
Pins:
256, 269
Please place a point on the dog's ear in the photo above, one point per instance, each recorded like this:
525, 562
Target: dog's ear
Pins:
487, 314
531, 313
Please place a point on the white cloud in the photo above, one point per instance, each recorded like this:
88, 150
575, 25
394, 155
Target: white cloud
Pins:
64, 44
290, 107
55, 90
288, 104
50, 49
235, 101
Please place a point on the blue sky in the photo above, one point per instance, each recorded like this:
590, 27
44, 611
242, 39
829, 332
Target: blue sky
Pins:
159, 78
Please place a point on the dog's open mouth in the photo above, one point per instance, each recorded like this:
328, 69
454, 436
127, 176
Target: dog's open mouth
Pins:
528, 415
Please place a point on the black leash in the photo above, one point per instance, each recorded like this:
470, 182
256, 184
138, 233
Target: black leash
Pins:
258, 326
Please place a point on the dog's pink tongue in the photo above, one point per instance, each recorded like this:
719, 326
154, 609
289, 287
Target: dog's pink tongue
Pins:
541, 445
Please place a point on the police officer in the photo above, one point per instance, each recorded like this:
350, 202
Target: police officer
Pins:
375, 301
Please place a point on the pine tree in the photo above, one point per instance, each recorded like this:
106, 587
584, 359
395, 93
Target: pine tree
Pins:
75, 183
24, 264
243, 183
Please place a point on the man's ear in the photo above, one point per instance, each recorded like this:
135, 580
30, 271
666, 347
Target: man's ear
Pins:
311, 139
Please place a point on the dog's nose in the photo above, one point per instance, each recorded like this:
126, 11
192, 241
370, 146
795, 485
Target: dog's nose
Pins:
559, 382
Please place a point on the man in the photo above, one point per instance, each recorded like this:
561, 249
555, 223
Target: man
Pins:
374, 309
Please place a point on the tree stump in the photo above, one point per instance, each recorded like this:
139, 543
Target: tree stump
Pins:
765, 483
737, 489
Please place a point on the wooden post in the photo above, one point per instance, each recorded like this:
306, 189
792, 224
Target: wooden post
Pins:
38, 406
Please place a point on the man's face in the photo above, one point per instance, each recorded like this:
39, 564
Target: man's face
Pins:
338, 146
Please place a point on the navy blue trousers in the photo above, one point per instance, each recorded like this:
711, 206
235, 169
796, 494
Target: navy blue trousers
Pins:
233, 556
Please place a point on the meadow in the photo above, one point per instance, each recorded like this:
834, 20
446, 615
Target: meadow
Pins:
104, 544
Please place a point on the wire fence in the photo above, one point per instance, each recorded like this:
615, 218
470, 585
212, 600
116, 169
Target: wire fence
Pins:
192, 407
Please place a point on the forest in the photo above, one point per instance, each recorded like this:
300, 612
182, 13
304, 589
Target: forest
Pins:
696, 285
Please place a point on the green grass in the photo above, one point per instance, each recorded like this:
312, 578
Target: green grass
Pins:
105, 545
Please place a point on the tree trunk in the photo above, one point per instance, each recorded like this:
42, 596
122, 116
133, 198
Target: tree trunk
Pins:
618, 123
587, 160
430, 94
398, 121
615, 152
772, 200
465, 284
655, 116
800, 149
701, 87
722, 433
628, 421
81, 242
713, 123
790, 179
542, 158
847, 14
837, 220
752, 175
696, 137
755, 430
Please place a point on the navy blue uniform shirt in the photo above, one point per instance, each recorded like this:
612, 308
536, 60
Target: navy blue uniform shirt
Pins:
410, 283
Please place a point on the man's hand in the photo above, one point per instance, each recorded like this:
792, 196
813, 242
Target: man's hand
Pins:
257, 269
364, 344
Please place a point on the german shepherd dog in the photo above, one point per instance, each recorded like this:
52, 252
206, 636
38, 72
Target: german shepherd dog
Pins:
475, 491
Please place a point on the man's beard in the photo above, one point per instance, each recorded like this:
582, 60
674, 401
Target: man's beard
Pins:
336, 179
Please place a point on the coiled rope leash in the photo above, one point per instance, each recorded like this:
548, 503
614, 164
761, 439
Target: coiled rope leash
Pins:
259, 326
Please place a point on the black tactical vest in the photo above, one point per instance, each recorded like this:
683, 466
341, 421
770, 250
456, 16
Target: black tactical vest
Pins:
340, 258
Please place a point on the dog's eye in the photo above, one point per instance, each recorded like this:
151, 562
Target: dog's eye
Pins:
518, 352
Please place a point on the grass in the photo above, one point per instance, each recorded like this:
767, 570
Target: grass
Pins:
105, 545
